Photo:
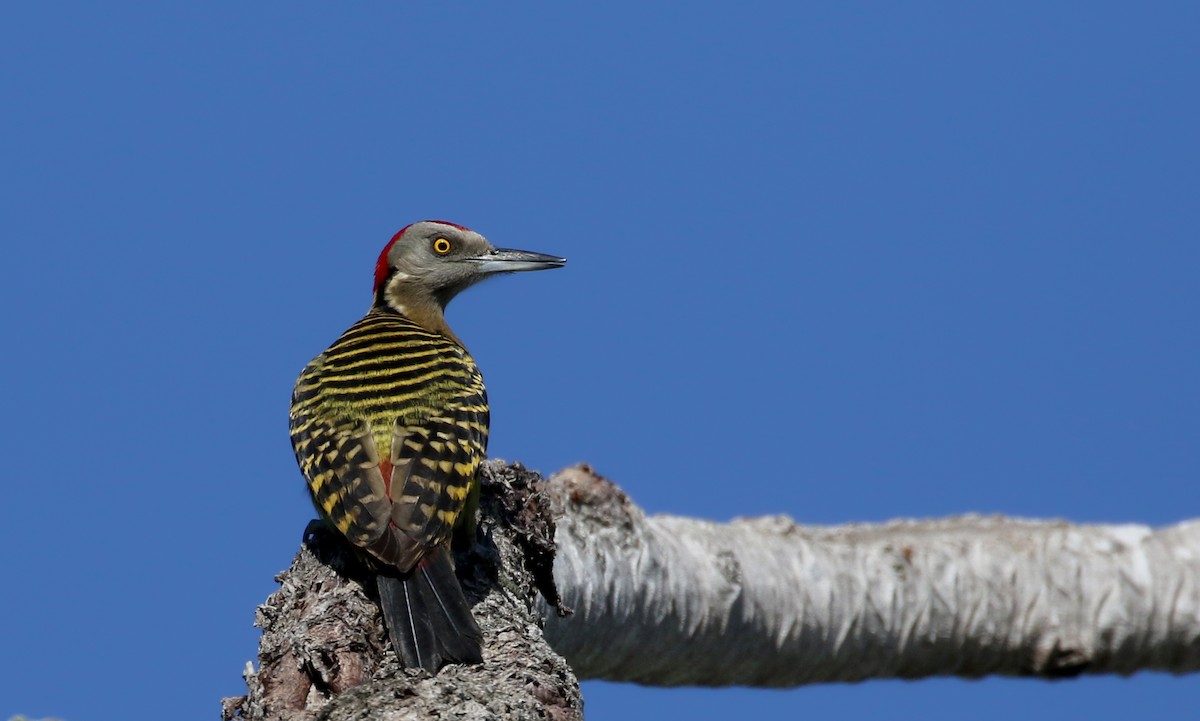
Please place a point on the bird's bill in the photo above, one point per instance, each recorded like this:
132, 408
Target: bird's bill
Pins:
507, 260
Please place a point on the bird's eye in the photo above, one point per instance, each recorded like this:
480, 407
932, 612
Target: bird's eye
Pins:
441, 246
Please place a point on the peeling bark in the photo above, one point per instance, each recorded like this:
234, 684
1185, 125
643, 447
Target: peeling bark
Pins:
674, 601
765, 602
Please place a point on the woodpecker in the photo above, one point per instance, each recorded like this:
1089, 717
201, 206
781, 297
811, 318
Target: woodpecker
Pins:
390, 425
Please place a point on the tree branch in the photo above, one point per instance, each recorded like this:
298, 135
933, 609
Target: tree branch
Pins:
673, 601
764, 602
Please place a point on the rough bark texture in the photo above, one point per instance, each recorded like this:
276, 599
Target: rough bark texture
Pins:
764, 602
761, 602
324, 652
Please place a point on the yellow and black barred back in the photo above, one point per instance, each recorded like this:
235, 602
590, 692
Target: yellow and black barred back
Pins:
390, 425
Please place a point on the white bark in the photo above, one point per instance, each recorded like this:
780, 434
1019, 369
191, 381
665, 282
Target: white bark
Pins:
763, 602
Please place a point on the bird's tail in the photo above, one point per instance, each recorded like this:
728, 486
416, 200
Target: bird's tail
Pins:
427, 616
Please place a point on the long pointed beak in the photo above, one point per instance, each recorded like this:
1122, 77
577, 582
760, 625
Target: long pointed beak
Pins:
507, 260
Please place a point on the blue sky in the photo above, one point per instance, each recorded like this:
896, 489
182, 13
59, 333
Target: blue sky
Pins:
854, 261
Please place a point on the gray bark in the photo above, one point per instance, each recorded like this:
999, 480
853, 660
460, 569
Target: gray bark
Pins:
764, 602
324, 652
756, 602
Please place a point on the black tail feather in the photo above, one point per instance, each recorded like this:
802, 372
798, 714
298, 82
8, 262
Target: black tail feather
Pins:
427, 617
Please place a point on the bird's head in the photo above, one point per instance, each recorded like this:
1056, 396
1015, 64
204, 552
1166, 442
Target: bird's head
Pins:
428, 263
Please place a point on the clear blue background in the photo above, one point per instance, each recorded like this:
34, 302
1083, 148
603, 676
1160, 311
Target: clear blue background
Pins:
844, 261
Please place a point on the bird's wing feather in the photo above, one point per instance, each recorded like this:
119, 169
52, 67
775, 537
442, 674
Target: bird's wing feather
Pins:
434, 465
341, 464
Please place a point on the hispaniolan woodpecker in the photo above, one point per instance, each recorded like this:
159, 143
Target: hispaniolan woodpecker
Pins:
389, 426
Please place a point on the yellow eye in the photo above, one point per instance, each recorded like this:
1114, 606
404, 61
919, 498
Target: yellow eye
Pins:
441, 246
